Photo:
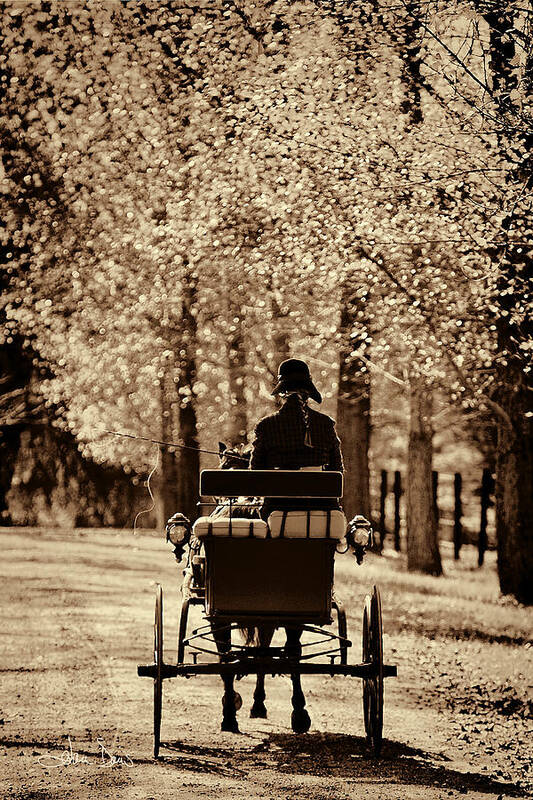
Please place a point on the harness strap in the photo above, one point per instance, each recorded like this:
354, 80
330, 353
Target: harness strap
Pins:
282, 528
251, 529
308, 525
209, 528
328, 524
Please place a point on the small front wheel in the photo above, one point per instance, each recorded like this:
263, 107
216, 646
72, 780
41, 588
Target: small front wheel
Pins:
158, 661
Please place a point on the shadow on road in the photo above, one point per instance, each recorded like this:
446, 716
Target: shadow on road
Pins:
335, 755
318, 754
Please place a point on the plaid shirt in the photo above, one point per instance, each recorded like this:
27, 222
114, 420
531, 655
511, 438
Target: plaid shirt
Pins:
279, 440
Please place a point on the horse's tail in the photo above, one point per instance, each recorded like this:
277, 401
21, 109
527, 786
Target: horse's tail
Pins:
251, 636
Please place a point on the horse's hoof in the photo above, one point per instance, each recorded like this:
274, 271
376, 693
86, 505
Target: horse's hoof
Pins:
230, 726
300, 721
258, 711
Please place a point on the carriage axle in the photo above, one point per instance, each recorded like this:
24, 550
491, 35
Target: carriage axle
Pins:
255, 667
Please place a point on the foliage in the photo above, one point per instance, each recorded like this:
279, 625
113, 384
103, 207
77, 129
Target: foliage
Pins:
265, 152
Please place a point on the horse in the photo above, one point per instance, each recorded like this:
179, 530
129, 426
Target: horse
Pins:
239, 458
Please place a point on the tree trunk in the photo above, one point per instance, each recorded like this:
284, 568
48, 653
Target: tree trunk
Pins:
188, 463
422, 534
238, 422
15, 412
514, 456
165, 483
188, 458
514, 494
422, 529
422, 541
353, 412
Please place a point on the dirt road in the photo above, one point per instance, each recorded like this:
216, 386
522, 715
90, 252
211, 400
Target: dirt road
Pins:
77, 613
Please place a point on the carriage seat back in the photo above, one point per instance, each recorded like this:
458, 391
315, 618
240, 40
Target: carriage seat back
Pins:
310, 524
270, 483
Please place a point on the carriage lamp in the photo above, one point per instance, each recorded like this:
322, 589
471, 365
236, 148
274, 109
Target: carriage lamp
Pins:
359, 536
178, 531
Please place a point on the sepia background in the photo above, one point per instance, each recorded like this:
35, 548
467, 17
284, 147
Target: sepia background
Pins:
192, 192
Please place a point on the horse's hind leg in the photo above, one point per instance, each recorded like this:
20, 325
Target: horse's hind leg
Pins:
258, 709
231, 700
300, 719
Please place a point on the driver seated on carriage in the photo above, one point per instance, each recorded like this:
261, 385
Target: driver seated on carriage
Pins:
296, 436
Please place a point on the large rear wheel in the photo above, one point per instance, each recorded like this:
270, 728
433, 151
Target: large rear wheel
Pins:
158, 662
373, 655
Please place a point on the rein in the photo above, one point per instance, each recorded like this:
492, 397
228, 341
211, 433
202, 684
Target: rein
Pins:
171, 444
156, 465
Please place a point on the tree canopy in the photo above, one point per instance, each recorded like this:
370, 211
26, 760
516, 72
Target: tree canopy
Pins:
206, 178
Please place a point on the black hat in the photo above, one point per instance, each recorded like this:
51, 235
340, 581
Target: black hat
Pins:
294, 376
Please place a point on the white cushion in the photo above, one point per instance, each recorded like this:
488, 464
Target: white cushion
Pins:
220, 526
296, 524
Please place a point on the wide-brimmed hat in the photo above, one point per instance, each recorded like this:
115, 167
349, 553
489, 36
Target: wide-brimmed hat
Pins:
294, 376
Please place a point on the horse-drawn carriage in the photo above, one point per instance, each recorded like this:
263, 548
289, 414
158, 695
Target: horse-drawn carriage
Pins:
256, 576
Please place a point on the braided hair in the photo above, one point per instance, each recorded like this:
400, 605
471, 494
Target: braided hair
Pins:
302, 398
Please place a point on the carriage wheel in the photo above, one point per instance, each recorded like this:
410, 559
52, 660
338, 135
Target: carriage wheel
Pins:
373, 654
158, 661
366, 659
183, 630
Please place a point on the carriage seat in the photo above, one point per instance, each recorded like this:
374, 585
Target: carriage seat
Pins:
298, 485
310, 524
224, 526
